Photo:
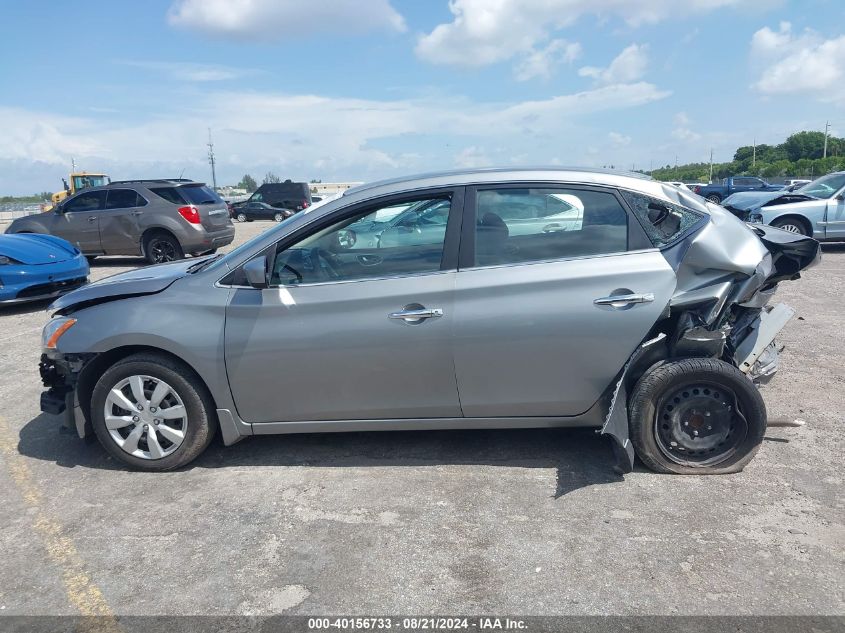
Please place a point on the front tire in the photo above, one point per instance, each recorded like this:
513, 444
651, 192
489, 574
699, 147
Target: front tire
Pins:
241, 217
696, 416
278, 217
792, 225
152, 412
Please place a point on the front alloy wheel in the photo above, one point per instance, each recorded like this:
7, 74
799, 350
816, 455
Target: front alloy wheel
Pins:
145, 417
152, 412
241, 217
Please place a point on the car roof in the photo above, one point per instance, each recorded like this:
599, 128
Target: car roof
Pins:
494, 175
174, 182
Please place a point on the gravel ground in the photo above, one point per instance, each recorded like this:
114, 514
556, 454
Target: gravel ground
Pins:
508, 522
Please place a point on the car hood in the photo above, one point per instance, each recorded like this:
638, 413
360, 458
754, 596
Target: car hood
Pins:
754, 200
144, 281
33, 249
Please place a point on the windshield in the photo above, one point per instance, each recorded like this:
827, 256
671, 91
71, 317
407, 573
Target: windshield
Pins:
83, 182
824, 187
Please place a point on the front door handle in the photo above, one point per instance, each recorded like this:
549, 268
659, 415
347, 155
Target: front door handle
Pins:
92, 218
620, 301
415, 313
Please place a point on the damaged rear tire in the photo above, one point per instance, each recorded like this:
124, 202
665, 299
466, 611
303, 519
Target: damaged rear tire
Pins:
696, 416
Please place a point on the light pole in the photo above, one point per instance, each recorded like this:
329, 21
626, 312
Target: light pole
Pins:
211, 160
711, 164
826, 128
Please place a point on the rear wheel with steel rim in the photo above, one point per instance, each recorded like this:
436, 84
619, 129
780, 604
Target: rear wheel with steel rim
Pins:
792, 225
696, 416
162, 247
714, 199
152, 412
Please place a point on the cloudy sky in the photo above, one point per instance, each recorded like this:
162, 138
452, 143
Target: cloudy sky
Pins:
363, 89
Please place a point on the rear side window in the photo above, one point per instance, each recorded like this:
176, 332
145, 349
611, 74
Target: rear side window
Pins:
662, 221
168, 193
200, 195
124, 199
539, 224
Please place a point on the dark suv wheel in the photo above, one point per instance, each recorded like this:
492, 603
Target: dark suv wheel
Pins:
162, 247
696, 416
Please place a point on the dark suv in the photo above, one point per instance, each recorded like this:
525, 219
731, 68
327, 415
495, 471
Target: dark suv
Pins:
162, 220
295, 196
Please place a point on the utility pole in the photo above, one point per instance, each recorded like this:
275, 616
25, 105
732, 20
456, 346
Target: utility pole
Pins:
754, 153
711, 164
826, 129
211, 160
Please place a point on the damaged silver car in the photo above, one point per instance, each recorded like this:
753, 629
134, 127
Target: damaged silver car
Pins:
816, 209
534, 298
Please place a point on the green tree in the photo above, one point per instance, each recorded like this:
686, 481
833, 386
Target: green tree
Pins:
270, 177
248, 183
804, 145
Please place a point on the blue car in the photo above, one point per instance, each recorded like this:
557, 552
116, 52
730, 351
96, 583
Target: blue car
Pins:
34, 267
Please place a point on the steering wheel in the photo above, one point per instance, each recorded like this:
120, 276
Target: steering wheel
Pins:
332, 267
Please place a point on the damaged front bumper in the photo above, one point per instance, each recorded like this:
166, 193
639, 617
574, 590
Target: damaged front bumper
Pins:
59, 374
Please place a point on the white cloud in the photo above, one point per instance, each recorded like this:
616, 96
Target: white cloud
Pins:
283, 19
542, 62
302, 135
804, 63
629, 65
484, 32
682, 130
187, 71
619, 139
471, 157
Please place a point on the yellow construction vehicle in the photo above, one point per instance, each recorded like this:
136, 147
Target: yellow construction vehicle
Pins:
76, 182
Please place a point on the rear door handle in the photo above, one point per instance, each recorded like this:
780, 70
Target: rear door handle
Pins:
416, 315
620, 301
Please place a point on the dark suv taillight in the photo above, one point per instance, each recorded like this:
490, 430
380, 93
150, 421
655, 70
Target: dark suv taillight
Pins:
190, 213
305, 204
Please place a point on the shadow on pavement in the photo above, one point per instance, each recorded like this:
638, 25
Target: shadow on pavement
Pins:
580, 457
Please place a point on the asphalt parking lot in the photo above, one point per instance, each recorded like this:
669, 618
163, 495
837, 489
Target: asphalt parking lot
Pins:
506, 522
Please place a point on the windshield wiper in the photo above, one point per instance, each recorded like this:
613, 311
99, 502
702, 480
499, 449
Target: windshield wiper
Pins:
193, 268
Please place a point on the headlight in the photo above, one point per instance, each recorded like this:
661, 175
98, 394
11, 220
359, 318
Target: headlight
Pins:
5, 261
54, 330
757, 218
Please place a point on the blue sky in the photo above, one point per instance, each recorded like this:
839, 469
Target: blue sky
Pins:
364, 89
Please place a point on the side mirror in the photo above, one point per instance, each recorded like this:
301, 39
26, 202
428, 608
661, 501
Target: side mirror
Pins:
256, 272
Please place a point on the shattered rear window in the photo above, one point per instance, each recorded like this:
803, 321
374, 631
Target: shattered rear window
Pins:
662, 221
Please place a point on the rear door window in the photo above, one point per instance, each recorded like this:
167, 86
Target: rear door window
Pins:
122, 199
547, 223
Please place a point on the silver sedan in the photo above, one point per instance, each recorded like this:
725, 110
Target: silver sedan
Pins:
500, 299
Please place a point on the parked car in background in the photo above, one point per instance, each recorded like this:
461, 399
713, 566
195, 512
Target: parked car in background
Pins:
676, 183
250, 211
295, 196
817, 209
34, 267
162, 220
717, 192
643, 313
794, 183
